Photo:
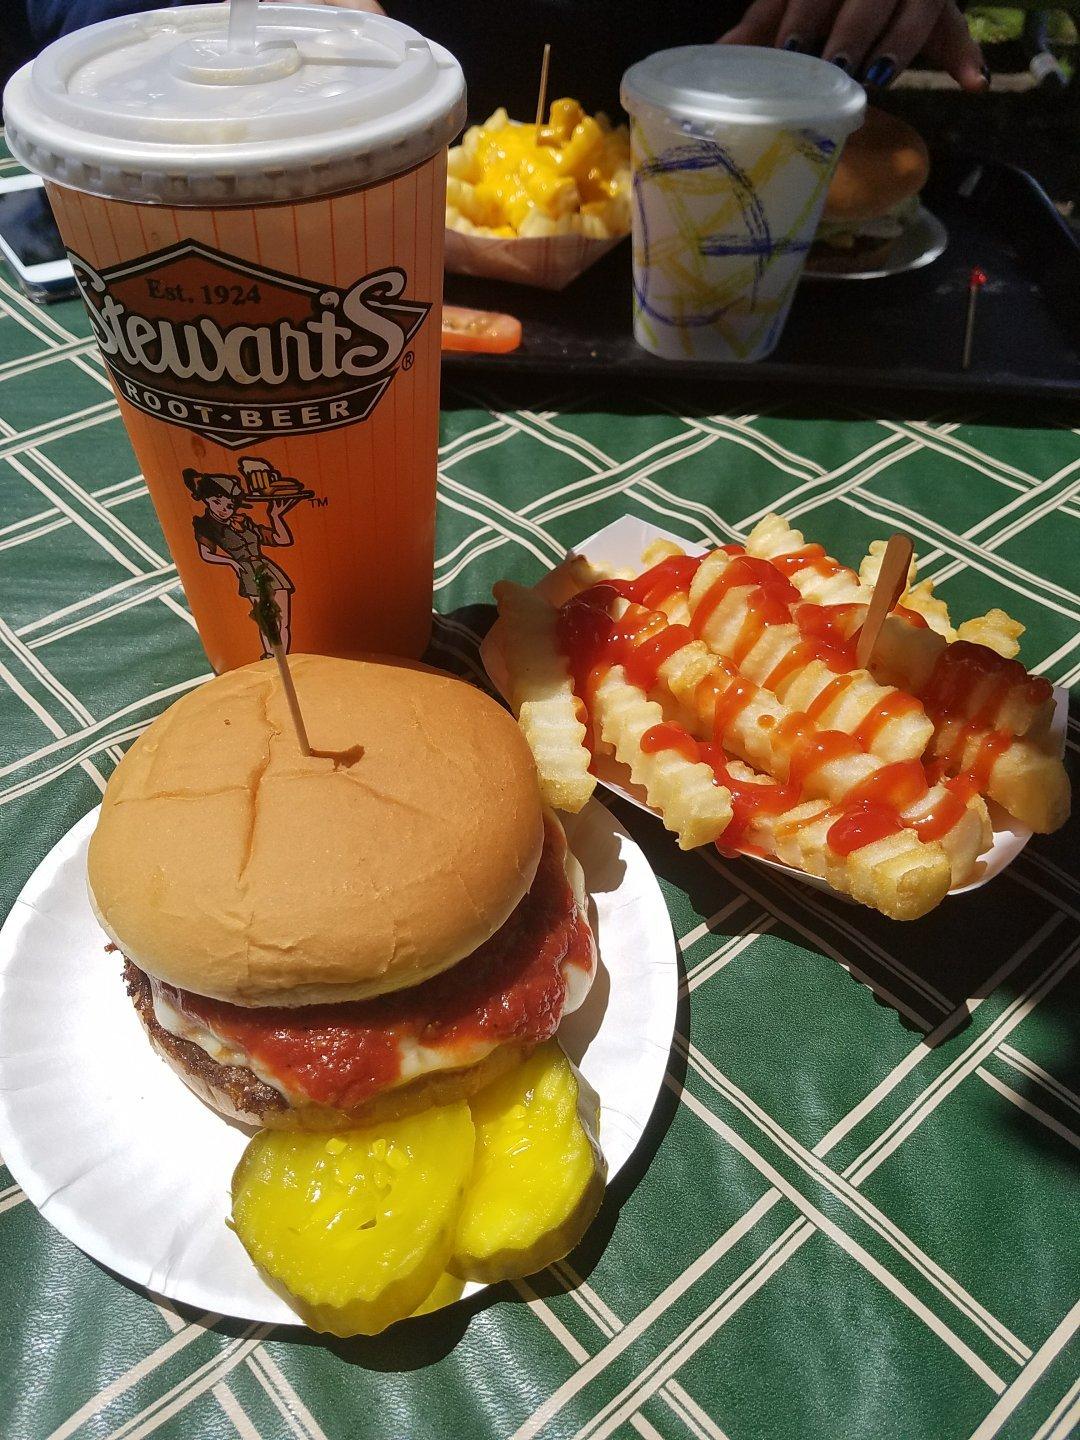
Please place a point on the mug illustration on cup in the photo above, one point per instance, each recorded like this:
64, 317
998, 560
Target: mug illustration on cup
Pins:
227, 533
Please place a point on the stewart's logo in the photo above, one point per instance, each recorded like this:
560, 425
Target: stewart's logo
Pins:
238, 352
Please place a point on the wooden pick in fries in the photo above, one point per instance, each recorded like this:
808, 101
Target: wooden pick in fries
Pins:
541, 94
891, 583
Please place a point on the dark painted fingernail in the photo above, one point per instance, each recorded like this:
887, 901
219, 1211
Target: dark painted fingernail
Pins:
984, 71
793, 43
841, 62
880, 73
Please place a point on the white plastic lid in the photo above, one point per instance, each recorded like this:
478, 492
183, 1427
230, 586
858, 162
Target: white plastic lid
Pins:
156, 108
744, 85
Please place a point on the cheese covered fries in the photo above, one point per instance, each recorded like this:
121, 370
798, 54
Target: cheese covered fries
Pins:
568, 177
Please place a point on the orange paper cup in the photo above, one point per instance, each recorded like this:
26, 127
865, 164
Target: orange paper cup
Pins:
276, 358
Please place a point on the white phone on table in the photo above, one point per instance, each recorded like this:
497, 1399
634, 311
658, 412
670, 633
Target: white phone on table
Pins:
30, 241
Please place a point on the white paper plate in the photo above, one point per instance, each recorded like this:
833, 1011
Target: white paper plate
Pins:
923, 240
116, 1152
620, 545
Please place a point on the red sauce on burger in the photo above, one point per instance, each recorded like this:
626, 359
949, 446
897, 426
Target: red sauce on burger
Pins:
510, 990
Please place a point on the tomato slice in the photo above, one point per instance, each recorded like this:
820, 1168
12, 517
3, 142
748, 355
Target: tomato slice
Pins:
485, 331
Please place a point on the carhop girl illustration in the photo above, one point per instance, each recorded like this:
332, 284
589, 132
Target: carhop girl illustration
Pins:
228, 534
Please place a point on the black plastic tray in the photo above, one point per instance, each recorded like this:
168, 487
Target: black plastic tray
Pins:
900, 333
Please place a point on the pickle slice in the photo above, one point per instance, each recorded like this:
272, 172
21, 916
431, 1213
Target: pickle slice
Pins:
447, 1289
538, 1179
357, 1227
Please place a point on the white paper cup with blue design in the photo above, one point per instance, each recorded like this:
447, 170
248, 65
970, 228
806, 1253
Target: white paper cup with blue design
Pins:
733, 148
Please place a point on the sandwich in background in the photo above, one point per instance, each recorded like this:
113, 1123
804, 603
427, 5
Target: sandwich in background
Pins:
873, 197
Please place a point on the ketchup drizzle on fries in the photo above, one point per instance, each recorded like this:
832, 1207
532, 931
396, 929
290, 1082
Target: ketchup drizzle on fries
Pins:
862, 825
962, 665
593, 641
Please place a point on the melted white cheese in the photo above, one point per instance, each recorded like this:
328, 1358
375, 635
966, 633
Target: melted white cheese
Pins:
414, 1059
185, 1027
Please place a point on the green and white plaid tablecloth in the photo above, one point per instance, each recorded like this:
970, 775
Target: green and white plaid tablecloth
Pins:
855, 1213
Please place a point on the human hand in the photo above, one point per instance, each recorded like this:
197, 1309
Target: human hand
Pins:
871, 39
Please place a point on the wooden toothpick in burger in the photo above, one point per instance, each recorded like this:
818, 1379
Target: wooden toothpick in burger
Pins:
267, 615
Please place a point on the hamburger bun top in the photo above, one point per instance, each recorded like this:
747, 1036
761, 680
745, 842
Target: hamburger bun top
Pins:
227, 863
882, 164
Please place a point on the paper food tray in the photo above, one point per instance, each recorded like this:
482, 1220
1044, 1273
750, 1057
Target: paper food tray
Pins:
549, 262
620, 544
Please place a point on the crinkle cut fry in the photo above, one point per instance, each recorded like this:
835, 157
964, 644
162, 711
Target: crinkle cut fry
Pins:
1006, 697
824, 583
996, 630
773, 661
685, 792
918, 597
767, 735
907, 655
542, 697
1025, 779
897, 875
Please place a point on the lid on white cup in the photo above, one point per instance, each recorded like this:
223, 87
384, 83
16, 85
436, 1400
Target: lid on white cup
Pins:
744, 85
157, 108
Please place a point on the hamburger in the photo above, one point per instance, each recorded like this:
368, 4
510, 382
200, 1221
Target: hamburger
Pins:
873, 197
321, 941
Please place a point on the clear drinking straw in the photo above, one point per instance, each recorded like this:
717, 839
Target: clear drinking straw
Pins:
243, 15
